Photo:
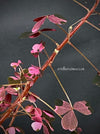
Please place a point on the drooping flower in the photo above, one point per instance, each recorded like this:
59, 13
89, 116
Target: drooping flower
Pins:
37, 48
15, 64
12, 130
38, 121
69, 120
40, 21
34, 70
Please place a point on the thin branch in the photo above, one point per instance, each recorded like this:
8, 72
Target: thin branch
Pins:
92, 25
44, 102
81, 5
3, 129
59, 81
16, 84
84, 56
49, 38
39, 61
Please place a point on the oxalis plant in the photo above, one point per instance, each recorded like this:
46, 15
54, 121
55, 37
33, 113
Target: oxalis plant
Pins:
19, 85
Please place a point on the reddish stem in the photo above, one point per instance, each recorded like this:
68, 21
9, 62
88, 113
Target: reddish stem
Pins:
48, 62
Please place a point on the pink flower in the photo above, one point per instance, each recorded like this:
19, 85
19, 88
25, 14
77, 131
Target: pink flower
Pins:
15, 64
3, 91
11, 91
69, 120
40, 21
12, 130
16, 77
37, 48
38, 123
34, 70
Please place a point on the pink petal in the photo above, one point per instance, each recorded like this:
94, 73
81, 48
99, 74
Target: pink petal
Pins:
29, 108
55, 19
38, 112
51, 128
38, 25
69, 121
34, 70
37, 48
31, 98
45, 129
11, 130
63, 109
15, 64
10, 90
37, 118
19, 62
48, 114
81, 107
14, 78
17, 75
36, 126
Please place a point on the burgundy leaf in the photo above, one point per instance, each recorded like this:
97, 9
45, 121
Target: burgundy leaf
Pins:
81, 107
47, 29
8, 99
39, 18
63, 109
34, 35
69, 121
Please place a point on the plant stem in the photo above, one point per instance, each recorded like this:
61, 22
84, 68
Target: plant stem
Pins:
3, 129
44, 102
84, 56
49, 38
92, 25
81, 5
39, 61
61, 85
16, 84
14, 115
59, 81
49, 61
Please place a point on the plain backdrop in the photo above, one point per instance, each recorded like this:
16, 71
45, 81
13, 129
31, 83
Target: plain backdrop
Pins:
16, 17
